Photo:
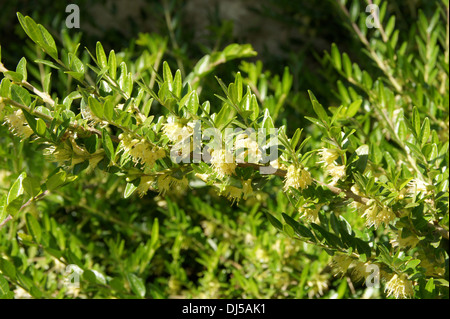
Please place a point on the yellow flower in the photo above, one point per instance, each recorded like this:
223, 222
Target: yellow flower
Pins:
175, 131
375, 216
223, 163
247, 189
328, 156
144, 185
336, 171
297, 178
18, 125
359, 271
167, 183
141, 151
341, 263
399, 287
249, 148
410, 241
309, 213
233, 193
416, 186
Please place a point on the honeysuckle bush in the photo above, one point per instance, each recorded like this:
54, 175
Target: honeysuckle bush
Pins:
128, 173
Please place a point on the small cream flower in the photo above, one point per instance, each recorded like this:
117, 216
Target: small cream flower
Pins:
399, 287
328, 156
176, 131
410, 241
18, 124
416, 186
144, 185
341, 263
297, 178
375, 216
248, 147
337, 172
141, 151
309, 213
223, 163
167, 183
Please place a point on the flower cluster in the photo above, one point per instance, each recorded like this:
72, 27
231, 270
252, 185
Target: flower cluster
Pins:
328, 156
72, 152
223, 163
399, 286
310, 213
234, 193
377, 214
18, 124
297, 178
175, 131
141, 151
248, 148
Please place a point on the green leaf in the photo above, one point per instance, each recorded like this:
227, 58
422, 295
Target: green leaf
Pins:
32, 186
137, 285
20, 95
318, 108
96, 107
129, 190
47, 42
16, 189
33, 227
336, 57
8, 268
353, 108
5, 293
108, 145
56, 180
424, 132
101, 56
22, 68
275, 222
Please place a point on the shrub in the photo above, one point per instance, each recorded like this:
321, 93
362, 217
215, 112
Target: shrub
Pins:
128, 177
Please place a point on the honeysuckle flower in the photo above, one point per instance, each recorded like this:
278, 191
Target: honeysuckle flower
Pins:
341, 263
359, 271
311, 213
18, 124
176, 131
141, 151
297, 178
251, 148
399, 286
417, 185
167, 183
233, 193
375, 215
337, 172
144, 185
223, 163
432, 268
409, 241
20, 293
328, 155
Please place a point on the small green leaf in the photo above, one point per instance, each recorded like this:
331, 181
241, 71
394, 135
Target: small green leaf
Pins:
33, 227
101, 56
20, 95
96, 107
108, 145
137, 285
275, 222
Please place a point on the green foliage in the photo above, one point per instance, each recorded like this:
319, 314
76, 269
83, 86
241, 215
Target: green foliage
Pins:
93, 179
